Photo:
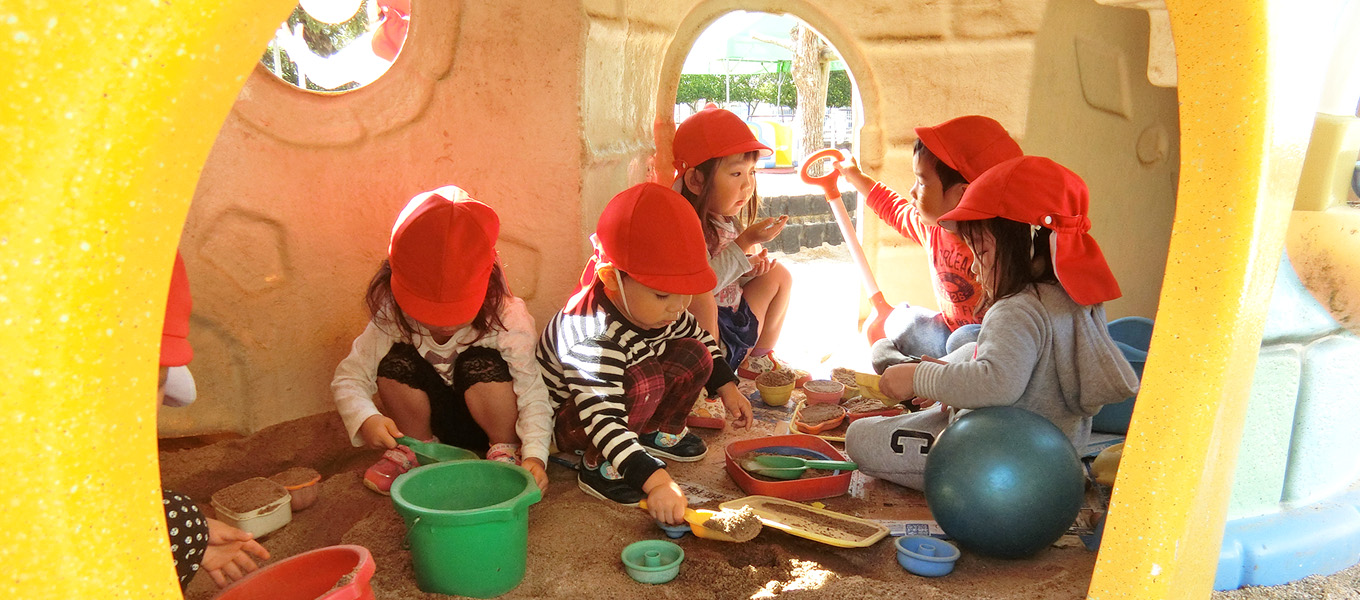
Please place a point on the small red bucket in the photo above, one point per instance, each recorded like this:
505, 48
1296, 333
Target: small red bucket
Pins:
331, 573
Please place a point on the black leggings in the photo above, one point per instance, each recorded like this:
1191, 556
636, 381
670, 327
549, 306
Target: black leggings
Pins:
450, 419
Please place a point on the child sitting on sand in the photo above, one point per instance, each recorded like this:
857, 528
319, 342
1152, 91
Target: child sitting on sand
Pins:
715, 155
947, 157
1043, 345
624, 361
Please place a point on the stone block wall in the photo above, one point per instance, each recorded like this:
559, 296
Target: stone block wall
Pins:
811, 222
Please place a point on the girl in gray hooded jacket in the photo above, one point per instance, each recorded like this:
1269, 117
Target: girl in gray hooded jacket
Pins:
1043, 345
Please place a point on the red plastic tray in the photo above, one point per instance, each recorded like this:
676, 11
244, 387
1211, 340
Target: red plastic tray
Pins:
798, 489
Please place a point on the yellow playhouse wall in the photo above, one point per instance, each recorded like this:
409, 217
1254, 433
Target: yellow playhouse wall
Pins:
106, 116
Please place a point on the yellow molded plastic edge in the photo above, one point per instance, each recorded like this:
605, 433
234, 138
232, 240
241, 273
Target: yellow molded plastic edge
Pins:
107, 114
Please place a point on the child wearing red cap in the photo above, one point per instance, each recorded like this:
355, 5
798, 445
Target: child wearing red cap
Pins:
197, 543
624, 361
1043, 346
715, 156
449, 350
947, 157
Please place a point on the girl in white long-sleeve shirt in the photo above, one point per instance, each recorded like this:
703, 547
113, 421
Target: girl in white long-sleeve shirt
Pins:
449, 351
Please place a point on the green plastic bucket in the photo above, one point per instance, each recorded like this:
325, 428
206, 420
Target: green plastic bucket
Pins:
468, 525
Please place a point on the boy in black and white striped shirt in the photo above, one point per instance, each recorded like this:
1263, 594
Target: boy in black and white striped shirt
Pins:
624, 361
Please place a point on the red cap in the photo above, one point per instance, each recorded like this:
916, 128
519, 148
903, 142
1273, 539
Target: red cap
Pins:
442, 251
969, 144
175, 348
653, 234
1038, 191
712, 133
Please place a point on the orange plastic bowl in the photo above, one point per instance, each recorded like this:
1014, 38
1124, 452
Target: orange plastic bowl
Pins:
798, 490
823, 391
816, 428
331, 573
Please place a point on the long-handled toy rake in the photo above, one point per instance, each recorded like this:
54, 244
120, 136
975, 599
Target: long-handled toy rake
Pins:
879, 308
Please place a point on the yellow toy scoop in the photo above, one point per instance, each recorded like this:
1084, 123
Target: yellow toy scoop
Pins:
739, 525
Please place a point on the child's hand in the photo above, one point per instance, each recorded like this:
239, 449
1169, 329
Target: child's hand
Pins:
849, 169
761, 263
230, 554
378, 431
738, 407
898, 382
665, 501
539, 471
761, 231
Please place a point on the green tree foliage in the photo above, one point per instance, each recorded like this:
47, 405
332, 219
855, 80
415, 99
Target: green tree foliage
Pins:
760, 87
839, 90
322, 39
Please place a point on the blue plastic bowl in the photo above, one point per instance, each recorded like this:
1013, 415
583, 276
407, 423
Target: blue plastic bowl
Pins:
926, 556
652, 561
674, 532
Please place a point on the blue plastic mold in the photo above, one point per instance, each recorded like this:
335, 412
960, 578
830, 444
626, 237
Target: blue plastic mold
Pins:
926, 556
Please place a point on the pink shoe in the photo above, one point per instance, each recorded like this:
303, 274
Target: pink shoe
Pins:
506, 453
752, 366
393, 463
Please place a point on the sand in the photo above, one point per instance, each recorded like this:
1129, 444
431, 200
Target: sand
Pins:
575, 540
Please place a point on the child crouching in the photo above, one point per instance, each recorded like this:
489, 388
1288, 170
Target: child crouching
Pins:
624, 361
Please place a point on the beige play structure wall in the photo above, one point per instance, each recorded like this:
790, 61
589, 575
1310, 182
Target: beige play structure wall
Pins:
544, 109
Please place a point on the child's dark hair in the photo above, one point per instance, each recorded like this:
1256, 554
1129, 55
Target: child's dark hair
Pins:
1020, 258
488, 317
702, 200
948, 176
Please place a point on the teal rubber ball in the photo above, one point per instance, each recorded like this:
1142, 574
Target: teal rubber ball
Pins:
1004, 482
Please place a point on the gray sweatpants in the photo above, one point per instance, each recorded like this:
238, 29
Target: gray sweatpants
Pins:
895, 448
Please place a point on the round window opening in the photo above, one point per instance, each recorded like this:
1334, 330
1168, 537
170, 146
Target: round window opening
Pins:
333, 46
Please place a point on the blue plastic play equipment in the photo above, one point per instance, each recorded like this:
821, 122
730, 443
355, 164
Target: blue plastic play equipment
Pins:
1295, 504
1132, 335
1004, 481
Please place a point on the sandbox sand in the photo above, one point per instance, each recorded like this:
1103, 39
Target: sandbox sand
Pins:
575, 540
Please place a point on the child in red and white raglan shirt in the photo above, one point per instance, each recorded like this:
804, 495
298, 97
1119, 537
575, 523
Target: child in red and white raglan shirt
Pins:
623, 360
947, 158
449, 350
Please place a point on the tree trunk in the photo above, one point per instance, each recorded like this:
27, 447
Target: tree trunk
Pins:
811, 72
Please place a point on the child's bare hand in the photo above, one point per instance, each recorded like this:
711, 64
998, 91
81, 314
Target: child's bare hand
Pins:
761, 231
738, 407
231, 553
378, 431
761, 263
665, 501
539, 471
898, 382
849, 169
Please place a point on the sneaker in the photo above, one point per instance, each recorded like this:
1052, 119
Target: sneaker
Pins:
605, 483
393, 463
752, 366
683, 447
504, 452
